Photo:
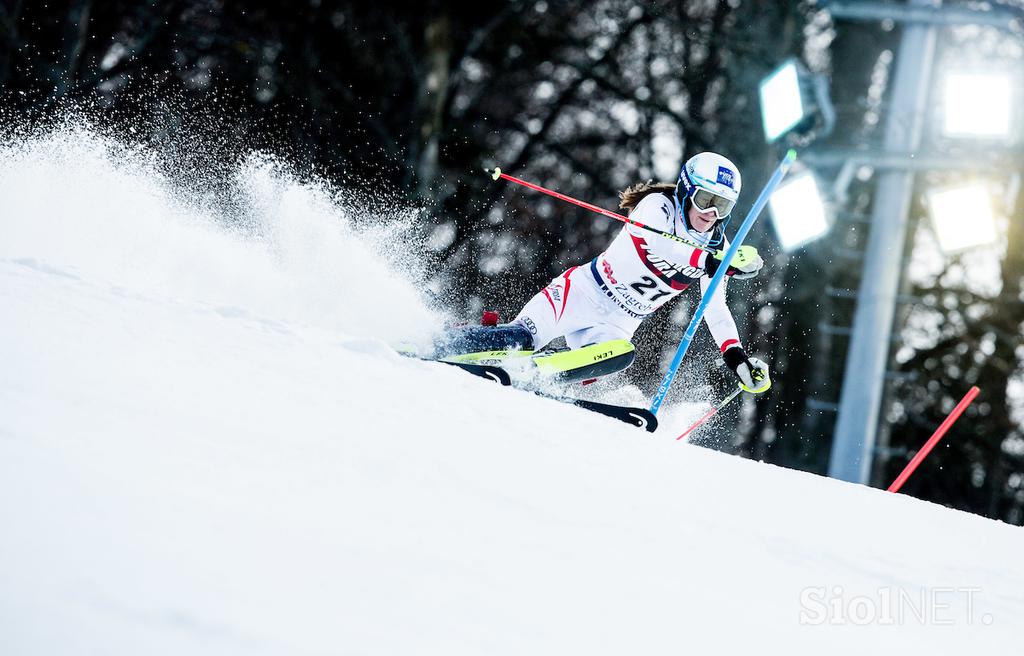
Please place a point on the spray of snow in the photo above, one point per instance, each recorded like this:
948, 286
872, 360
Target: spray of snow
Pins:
281, 249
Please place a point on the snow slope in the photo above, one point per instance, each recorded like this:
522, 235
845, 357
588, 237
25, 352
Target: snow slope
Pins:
206, 447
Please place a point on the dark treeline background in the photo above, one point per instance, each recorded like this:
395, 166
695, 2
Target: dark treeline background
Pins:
415, 99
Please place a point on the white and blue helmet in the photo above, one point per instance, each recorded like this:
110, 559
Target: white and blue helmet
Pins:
711, 182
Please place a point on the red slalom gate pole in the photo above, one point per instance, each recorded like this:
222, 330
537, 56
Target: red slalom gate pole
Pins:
496, 174
934, 439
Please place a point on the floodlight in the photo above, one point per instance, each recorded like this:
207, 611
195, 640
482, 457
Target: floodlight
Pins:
782, 105
977, 105
798, 212
962, 217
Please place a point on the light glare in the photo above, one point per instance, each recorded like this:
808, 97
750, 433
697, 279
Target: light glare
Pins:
781, 104
962, 217
798, 212
977, 105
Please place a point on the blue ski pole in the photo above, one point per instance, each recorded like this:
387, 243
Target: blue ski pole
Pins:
741, 234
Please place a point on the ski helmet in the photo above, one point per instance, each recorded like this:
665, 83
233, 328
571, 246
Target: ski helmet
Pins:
709, 181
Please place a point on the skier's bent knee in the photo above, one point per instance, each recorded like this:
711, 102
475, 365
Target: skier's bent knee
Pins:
473, 339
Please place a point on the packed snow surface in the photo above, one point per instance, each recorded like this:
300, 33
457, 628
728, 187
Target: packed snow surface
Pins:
208, 447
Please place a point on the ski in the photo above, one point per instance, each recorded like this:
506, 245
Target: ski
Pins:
490, 372
639, 417
592, 361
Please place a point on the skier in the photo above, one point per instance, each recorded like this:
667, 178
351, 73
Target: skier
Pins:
607, 298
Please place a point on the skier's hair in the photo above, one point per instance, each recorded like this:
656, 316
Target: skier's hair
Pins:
630, 197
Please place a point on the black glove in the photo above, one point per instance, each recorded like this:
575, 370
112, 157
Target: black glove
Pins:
752, 372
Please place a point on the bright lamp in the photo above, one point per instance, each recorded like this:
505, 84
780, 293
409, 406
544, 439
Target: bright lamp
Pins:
782, 104
962, 217
798, 212
977, 105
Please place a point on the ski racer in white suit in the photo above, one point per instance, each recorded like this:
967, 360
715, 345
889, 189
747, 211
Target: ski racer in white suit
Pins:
608, 297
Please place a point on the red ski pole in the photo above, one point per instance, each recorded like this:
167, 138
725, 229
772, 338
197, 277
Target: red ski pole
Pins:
496, 174
711, 413
934, 439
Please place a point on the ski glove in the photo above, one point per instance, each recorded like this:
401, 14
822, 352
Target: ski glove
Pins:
745, 264
752, 372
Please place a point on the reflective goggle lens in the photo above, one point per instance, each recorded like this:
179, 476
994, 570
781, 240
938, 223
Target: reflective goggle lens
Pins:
704, 200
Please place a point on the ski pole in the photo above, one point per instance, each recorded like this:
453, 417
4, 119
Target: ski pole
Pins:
496, 174
716, 280
712, 412
934, 439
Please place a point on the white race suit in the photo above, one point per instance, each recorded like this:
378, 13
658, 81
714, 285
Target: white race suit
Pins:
608, 297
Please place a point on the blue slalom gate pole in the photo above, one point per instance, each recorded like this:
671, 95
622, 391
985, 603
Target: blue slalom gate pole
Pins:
741, 234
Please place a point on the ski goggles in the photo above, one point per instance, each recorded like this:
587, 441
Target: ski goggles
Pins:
704, 201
